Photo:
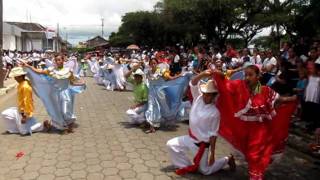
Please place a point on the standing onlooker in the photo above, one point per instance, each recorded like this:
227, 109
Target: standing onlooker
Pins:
284, 51
8, 63
176, 68
269, 67
312, 98
301, 48
245, 56
231, 52
255, 58
300, 88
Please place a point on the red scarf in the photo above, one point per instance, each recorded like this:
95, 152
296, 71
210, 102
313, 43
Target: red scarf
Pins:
196, 161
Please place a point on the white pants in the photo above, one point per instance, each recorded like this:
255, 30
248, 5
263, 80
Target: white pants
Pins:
178, 148
98, 79
137, 115
109, 85
83, 73
12, 122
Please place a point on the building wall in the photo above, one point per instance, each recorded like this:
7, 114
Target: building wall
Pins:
18, 43
32, 44
11, 37
9, 42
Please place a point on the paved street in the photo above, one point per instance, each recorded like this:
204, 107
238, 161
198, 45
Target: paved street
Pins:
104, 146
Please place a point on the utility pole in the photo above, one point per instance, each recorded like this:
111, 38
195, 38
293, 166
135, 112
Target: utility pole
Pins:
2, 73
66, 33
102, 24
57, 38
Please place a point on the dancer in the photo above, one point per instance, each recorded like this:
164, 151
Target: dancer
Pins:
203, 131
254, 118
83, 68
165, 95
20, 119
109, 80
57, 90
136, 112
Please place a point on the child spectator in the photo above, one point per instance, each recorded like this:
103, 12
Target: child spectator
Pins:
312, 98
300, 87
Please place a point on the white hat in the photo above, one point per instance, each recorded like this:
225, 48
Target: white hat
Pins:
135, 61
82, 60
235, 60
218, 56
134, 64
17, 71
138, 72
42, 63
246, 64
208, 87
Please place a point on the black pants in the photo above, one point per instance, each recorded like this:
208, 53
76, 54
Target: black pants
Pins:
265, 78
311, 114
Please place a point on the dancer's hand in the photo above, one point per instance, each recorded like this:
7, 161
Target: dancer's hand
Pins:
211, 159
208, 72
24, 64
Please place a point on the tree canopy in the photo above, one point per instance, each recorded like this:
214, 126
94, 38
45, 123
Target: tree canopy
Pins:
190, 22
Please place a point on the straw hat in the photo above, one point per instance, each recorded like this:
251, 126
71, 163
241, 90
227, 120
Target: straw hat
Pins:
208, 87
138, 72
42, 63
17, 71
134, 64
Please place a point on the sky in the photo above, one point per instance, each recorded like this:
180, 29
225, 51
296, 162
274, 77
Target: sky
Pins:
78, 20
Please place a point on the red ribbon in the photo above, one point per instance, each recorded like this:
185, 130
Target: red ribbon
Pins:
196, 160
19, 154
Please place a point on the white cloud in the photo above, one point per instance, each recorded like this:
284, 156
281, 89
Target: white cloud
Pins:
80, 18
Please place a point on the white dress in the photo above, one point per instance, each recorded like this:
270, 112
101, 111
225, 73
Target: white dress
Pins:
312, 93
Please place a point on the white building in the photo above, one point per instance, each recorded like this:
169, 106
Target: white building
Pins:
11, 37
30, 36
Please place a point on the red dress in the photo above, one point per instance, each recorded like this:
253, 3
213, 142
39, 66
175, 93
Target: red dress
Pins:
251, 124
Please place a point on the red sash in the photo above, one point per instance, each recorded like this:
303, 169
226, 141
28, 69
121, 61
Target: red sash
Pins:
196, 161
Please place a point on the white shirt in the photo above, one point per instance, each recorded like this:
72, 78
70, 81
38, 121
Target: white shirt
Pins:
318, 60
176, 59
7, 59
270, 61
256, 59
242, 59
204, 119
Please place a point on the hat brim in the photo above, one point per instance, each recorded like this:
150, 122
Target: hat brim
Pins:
138, 74
17, 75
205, 90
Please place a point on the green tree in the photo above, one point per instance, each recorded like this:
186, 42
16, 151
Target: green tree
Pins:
185, 21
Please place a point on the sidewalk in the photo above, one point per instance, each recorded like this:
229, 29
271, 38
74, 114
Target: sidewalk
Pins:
300, 140
9, 85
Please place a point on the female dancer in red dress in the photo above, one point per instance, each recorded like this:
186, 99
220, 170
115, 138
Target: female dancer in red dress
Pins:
259, 120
